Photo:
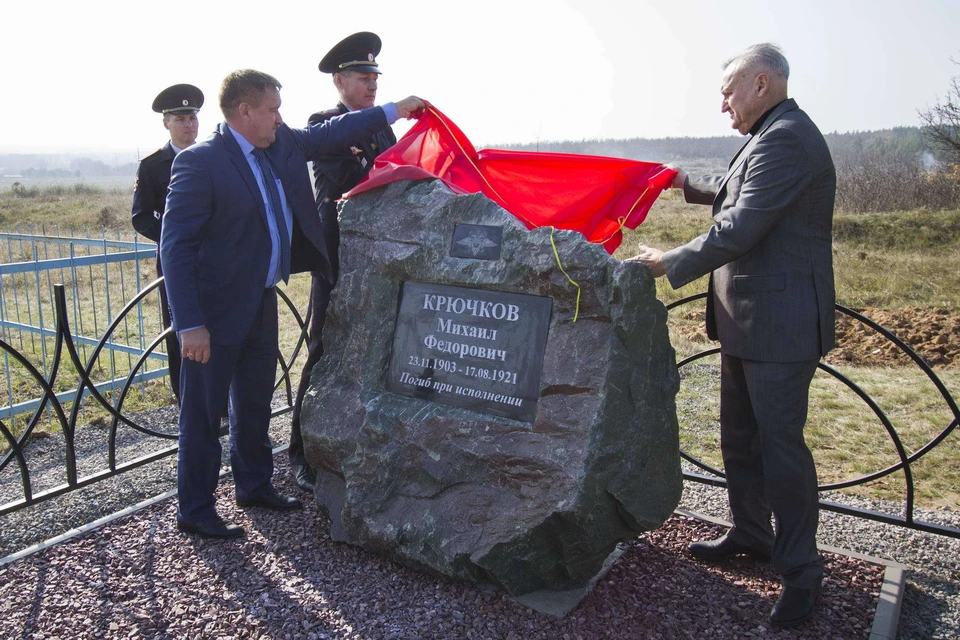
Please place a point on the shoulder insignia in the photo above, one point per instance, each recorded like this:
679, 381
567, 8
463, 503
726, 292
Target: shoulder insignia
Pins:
323, 116
136, 182
152, 155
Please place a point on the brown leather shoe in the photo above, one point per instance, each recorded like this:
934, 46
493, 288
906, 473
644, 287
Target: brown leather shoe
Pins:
724, 547
268, 497
794, 606
215, 527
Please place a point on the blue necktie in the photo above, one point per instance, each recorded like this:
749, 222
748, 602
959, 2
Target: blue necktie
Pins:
274, 193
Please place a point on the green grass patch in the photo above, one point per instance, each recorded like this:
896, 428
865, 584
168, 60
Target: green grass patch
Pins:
927, 231
847, 438
886, 260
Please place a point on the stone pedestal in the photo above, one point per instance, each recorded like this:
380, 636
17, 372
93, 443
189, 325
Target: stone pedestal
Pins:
533, 502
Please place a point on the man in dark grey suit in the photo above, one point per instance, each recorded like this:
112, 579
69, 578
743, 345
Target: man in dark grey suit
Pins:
771, 306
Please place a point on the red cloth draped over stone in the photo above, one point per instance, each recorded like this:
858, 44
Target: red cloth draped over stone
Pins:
594, 195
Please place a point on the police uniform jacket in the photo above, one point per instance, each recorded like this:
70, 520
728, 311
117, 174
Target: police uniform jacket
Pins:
150, 191
336, 173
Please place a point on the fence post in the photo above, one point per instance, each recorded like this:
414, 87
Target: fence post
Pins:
140, 327
106, 288
43, 340
6, 356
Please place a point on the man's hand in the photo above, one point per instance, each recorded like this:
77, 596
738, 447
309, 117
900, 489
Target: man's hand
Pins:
410, 107
195, 344
678, 179
651, 257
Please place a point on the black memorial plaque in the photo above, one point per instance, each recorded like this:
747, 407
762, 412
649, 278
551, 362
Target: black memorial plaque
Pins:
470, 348
478, 241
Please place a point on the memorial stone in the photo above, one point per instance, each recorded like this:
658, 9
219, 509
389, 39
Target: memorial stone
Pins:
478, 414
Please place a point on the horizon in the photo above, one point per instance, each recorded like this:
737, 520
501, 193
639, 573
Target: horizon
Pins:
105, 151
555, 71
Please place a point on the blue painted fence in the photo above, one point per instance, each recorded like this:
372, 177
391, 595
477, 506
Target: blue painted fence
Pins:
100, 274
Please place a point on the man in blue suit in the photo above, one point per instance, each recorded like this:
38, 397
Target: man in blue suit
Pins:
240, 217
771, 306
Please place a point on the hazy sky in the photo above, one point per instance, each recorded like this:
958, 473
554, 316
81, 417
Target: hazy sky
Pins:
84, 74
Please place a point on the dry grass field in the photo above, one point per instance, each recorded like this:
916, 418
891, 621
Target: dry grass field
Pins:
95, 295
903, 268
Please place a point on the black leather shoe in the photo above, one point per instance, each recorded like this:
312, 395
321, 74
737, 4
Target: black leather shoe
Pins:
215, 527
305, 477
270, 498
724, 547
793, 607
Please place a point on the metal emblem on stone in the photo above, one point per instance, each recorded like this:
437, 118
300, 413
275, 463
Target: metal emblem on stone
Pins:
460, 420
478, 241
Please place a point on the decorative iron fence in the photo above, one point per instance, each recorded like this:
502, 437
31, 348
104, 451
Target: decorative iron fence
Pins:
97, 273
65, 350
716, 476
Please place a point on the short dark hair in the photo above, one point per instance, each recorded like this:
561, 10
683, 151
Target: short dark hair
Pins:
244, 85
167, 117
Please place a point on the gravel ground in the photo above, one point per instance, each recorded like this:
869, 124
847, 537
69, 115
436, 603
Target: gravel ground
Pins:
931, 606
138, 577
45, 458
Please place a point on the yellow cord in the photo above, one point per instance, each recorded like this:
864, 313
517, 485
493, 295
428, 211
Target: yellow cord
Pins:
623, 220
556, 254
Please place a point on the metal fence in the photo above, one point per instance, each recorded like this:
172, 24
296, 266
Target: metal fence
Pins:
65, 357
99, 274
52, 338
905, 460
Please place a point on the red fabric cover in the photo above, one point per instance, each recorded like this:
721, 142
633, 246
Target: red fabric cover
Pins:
590, 194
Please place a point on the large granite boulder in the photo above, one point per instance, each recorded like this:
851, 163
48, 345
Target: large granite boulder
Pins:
536, 505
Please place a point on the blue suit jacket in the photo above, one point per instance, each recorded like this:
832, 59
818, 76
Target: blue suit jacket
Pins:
215, 243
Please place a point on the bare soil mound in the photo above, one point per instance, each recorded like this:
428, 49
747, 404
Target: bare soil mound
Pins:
933, 332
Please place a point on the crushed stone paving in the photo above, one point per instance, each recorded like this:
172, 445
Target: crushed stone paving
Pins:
138, 577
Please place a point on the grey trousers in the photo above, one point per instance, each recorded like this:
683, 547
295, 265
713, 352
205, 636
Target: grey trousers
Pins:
763, 409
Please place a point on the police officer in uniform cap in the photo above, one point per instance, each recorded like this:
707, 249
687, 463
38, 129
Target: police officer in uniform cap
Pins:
355, 73
179, 105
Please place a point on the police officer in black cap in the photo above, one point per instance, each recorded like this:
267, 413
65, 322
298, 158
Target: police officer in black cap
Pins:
355, 72
179, 105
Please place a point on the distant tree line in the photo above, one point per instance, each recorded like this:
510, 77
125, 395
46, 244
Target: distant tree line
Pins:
43, 166
887, 170
19, 190
50, 173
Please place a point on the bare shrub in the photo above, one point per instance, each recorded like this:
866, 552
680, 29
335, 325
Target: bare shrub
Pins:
941, 122
887, 178
107, 217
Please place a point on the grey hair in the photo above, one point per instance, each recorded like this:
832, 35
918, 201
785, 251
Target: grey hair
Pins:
766, 55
